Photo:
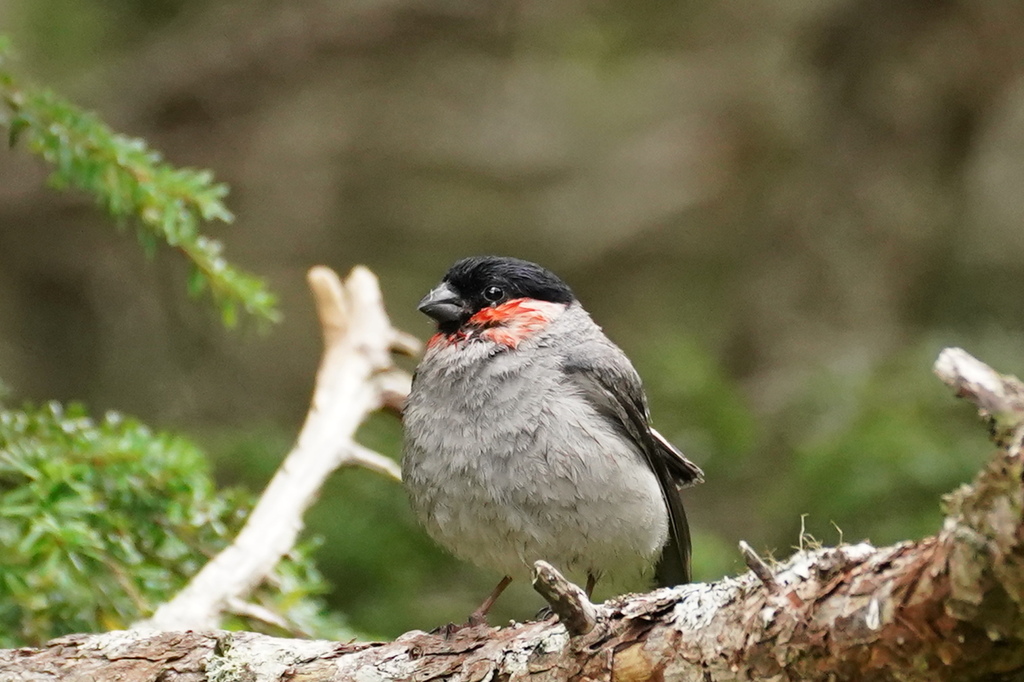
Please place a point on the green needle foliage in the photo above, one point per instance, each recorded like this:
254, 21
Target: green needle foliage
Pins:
102, 521
132, 181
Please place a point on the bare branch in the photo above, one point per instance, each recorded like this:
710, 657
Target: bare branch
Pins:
257, 612
356, 377
568, 601
374, 461
394, 387
756, 564
1000, 398
406, 344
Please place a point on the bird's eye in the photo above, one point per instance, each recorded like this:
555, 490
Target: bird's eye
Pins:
493, 294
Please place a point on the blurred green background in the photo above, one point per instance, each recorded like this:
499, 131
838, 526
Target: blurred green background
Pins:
782, 211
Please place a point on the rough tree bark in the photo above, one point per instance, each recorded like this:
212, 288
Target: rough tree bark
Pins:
946, 607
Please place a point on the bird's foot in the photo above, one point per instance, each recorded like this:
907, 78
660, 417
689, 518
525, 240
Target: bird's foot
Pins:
475, 620
448, 630
545, 614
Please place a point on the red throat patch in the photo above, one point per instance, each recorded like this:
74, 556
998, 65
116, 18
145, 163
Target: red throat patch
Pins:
512, 322
508, 324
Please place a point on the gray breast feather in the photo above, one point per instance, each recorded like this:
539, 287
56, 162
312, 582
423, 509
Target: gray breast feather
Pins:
506, 463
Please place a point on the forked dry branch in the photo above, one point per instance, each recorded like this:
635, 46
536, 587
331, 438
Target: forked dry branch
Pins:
357, 376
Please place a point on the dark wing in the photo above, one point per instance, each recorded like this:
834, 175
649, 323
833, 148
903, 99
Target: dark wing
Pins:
685, 472
614, 389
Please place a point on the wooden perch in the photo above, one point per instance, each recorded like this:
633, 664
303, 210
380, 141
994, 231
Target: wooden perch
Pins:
356, 377
948, 607
569, 602
1000, 399
756, 564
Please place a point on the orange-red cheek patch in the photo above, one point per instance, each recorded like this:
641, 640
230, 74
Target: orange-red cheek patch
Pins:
507, 324
505, 337
510, 323
519, 311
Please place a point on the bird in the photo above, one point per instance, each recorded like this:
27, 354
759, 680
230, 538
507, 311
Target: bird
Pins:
527, 436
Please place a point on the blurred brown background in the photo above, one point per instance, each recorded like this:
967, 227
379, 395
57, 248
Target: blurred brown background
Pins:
780, 210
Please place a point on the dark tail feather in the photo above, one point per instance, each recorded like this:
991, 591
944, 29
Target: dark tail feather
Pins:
685, 472
673, 566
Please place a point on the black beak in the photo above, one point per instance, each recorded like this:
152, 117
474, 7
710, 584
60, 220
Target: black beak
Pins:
443, 305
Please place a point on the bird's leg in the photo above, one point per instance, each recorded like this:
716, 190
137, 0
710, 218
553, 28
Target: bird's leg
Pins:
591, 582
479, 617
